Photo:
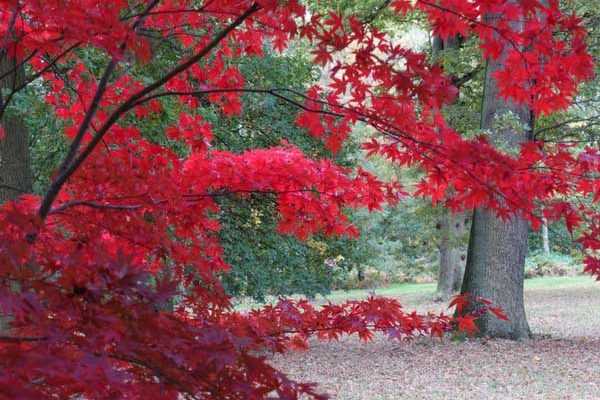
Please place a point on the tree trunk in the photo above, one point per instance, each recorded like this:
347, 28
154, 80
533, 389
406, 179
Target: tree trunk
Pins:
495, 271
453, 228
15, 168
497, 248
545, 237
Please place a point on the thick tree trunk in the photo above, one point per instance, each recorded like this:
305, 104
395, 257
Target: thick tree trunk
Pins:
495, 271
497, 248
453, 228
15, 168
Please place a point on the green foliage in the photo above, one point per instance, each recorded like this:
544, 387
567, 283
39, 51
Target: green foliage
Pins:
561, 241
374, 11
263, 261
266, 263
397, 244
553, 264
47, 143
465, 64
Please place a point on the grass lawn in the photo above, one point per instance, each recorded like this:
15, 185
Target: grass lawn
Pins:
428, 289
562, 362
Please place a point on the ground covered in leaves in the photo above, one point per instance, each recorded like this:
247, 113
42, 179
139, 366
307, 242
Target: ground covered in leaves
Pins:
561, 362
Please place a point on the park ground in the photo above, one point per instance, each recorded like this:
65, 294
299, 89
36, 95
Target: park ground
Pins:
561, 362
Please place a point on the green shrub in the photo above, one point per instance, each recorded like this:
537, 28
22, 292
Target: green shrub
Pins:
553, 264
374, 277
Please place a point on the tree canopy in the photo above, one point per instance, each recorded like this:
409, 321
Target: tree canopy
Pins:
111, 278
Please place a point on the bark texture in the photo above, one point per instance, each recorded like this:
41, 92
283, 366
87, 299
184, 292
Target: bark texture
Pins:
452, 227
497, 248
15, 167
545, 237
453, 253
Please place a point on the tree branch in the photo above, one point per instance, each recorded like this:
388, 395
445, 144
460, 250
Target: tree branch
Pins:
460, 81
16, 339
93, 204
62, 178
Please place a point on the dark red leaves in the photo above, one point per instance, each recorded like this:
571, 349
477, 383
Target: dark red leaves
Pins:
116, 293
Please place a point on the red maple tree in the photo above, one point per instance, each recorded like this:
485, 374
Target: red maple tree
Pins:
110, 279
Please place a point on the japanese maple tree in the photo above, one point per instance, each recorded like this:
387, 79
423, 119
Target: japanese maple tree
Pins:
110, 279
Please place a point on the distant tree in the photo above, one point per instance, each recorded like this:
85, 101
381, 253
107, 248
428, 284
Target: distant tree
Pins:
15, 168
452, 227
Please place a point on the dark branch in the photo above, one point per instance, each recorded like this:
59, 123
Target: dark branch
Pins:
460, 81
14, 339
93, 204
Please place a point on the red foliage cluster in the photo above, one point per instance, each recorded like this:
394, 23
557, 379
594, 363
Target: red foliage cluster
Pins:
544, 57
110, 279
